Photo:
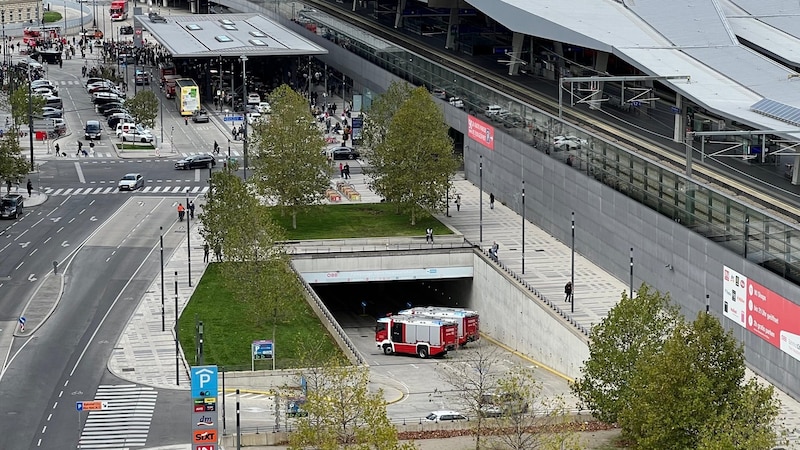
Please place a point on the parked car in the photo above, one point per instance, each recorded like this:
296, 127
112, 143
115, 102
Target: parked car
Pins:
105, 97
457, 102
569, 142
439, 93
117, 118
253, 98
493, 404
137, 135
444, 416
514, 121
496, 112
48, 112
126, 30
115, 110
343, 153
11, 206
264, 108
196, 162
131, 182
200, 115
106, 106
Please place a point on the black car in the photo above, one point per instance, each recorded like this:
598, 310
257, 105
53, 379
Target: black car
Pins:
11, 206
344, 153
126, 30
201, 115
112, 111
196, 162
105, 107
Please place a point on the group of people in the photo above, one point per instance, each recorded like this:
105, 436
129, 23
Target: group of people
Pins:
237, 132
344, 171
182, 211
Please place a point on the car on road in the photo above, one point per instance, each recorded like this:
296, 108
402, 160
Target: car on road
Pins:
142, 77
569, 142
264, 108
48, 112
200, 115
253, 98
136, 135
126, 30
457, 102
131, 182
445, 416
93, 130
11, 206
343, 153
196, 162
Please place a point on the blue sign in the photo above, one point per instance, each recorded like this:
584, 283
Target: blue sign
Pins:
636, 103
262, 349
233, 118
22, 320
675, 109
204, 381
79, 406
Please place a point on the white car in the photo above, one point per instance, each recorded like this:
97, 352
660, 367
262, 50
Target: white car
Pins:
496, 111
138, 135
569, 142
457, 102
253, 99
264, 108
445, 416
131, 182
253, 117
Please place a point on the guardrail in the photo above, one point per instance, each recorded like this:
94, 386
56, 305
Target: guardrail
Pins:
374, 244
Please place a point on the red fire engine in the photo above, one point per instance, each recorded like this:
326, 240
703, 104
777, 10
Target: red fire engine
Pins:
423, 336
468, 321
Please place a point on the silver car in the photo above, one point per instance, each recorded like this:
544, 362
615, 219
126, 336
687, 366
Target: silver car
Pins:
131, 182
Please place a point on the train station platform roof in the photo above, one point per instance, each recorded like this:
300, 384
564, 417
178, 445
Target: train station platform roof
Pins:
214, 35
678, 37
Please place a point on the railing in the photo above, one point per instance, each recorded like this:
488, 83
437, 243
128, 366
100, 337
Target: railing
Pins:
334, 324
374, 244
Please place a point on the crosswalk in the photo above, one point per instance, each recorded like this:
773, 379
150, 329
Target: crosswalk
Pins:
114, 190
170, 158
124, 421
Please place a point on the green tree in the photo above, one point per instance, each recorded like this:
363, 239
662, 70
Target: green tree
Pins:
692, 392
633, 329
287, 156
343, 413
383, 109
413, 163
22, 103
143, 107
13, 164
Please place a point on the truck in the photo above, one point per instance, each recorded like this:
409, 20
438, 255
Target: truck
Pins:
421, 336
118, 10
170, 86
468, 321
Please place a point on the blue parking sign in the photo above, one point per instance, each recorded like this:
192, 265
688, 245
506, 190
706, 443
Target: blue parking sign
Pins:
204, 381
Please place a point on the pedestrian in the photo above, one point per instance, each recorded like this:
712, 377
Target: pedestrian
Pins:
568, 291
458, 202
8, 186
181, 212
429, 235
186, 121
83, 71
80, 149
191, 209
233, 132
341, 170
216, 148
347, 171
493, 250
491, 201
205, 252
218, 252
30, 188
58, 150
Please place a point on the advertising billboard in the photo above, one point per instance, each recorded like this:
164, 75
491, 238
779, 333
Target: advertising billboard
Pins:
481, 132
764, 313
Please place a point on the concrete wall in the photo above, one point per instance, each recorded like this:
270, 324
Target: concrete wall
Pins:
513, 316
370, 261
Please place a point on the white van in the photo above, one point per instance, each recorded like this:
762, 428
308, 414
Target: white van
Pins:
125, 128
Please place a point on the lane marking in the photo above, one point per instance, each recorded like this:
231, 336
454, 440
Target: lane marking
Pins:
80, 172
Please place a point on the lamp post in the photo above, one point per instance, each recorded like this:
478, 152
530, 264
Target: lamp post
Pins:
220, 94
631, 272
572, 270
161, 241
30, 117
480, 172
177, 340
189, 238
245, 138
523, 227
94, 16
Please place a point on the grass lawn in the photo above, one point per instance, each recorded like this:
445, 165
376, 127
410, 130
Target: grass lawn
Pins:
135, 146
355, 220
229, 330
52, 16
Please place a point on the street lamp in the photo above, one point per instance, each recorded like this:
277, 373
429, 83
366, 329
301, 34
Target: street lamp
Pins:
523, 227
30, 117
572, 270
480, 171
243, 58
161, 243
94, 17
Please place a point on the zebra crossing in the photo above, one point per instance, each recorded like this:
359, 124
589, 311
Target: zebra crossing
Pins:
169, 158
114, 190
125, 423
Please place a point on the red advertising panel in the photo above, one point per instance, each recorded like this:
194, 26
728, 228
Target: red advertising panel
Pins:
481, 132
767, 314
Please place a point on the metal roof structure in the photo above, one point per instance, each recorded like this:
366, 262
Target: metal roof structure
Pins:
677, 37
205, 36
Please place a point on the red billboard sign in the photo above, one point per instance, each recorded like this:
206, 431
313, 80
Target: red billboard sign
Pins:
481, 132
765, 313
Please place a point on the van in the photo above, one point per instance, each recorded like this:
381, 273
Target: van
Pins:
11, 206
92, 130
126, 127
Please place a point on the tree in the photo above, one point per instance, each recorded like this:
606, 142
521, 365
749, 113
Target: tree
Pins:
343, 413
289, 164
13, 165
529, 420
143, 107
633, 329
22, 104
691, 394
413, 163
381, 113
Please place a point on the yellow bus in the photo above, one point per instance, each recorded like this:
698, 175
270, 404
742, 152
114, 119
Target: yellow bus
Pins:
188, 96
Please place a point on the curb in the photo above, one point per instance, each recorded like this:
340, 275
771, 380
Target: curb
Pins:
27, 334
526, 358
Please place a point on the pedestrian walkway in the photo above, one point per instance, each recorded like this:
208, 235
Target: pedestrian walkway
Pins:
124, 421
160, 190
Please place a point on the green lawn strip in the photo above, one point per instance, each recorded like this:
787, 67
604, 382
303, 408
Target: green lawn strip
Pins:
229, 330
355, 221
51, 16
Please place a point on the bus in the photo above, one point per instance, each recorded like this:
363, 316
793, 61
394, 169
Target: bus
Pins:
187, 95
118, 10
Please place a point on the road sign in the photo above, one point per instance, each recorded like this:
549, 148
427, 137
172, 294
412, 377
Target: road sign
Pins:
22, 320
91, 405
233, 118
636, 103
204, 381
675, 110
262, 349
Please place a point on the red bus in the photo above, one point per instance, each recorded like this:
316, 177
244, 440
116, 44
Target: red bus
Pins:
119, 10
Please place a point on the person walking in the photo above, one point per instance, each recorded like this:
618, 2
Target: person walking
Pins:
30, 188
458, 202
58, 150
341, 170
181, 212
216, 148
8, 186
80, 149
191, 209
491, 200
429, 235
347, 171
205, 252
568, 291
493, 250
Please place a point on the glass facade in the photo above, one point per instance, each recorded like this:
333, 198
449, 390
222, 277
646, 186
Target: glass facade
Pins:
749, 232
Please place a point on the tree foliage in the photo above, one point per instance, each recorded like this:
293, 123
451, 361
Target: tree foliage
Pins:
143, 107
412, 164
22, 103
691, 394
343, 413
380, 114
13, 164
286, 152
633, 329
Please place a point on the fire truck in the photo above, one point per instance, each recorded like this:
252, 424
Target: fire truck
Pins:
423, 336
118, 10
468, 321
